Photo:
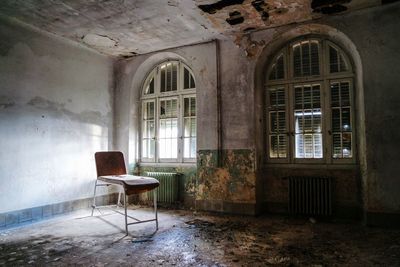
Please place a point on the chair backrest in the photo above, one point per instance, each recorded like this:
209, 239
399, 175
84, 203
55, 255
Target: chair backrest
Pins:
110, 163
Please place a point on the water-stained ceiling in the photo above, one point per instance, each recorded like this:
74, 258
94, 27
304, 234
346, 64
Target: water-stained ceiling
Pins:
130, 27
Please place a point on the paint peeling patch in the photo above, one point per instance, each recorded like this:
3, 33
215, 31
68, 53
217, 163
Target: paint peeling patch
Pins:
233, 182
99, 40
235, 18
6, 102
329, 6
262, 8
212, 8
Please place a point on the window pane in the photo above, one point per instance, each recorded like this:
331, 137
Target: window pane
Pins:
297, 61
333, 60
314, 58
308, 122
306, 58
186, 78
186, 107
341, 120
192, 106
148, 130
168, 138
337, 62
162, 78
278, 69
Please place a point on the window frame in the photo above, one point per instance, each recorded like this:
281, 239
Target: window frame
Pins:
324, 79
180, 94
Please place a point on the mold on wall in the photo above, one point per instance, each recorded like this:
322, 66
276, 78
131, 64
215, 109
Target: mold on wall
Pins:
233, 181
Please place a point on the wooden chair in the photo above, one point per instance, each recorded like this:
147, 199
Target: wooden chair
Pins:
111, 170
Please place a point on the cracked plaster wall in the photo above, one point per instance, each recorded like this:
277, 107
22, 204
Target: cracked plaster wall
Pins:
55, 112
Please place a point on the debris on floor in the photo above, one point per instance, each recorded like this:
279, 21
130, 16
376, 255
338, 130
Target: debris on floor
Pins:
185, 239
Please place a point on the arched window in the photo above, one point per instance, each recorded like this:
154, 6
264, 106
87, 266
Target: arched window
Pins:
169, 114
310, 104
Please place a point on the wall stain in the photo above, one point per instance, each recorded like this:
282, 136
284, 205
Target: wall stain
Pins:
234, 181
6, 102
58, 110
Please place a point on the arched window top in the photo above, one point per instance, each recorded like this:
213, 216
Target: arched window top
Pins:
168, 111
310, 104
308, 58
168, 77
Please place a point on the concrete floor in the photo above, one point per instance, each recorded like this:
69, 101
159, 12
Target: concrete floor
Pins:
197, 239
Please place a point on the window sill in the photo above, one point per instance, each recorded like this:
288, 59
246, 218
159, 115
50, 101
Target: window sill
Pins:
168, 164
319, 166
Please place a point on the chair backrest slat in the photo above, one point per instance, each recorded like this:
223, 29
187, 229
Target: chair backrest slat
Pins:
110, 163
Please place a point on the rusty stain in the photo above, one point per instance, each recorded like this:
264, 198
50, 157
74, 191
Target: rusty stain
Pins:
234, 181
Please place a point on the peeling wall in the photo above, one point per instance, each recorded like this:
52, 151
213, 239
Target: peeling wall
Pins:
55, 112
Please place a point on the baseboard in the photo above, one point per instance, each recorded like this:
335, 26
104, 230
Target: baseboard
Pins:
16, 218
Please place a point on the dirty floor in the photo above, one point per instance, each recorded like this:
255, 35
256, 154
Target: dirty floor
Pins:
189, 239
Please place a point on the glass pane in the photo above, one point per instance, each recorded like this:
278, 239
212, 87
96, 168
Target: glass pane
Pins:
343, 64
336, 120
168, 78
335, 98
314, 58
337, 145
280, 68
187, 126
317, 146
346, 126
298, 98
149, 129
346, 141
150, 87
333, 60
307, 97
163, 89
282, 146
192, 106
186, 148
193, 147
296, 61
316, 96
317, 121
168, 138
192, 85
305, 49
308, 122
345, 93
193, 127
186, 107
174, 78
273, 122
186, 78
149, 112
273, 146
162, 109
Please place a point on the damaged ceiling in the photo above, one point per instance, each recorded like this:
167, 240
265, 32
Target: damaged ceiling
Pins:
130, 27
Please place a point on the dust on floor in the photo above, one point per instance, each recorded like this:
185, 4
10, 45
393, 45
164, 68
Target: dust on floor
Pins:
198, 239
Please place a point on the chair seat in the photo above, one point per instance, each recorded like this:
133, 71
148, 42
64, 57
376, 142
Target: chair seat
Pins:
132, 184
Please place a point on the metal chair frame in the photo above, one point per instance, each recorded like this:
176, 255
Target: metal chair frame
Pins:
125, 214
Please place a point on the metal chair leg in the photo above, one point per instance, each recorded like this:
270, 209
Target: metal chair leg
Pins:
126, 214
94, 197
155, 206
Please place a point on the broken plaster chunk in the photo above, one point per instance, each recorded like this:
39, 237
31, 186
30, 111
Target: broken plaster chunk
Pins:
99, 40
